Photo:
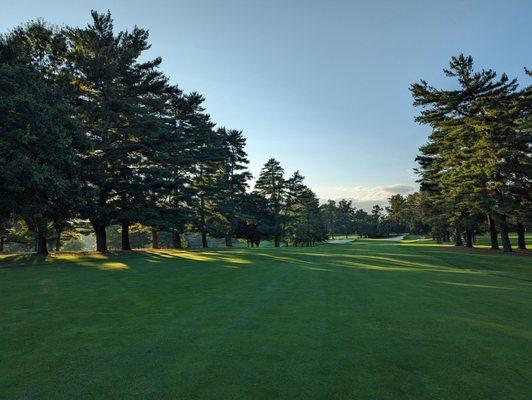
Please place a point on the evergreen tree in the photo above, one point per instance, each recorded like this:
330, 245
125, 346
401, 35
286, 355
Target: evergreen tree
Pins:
119, 100
271, 185
330, 217
231, 182
345, 216
207, 153
470, 160
39, 139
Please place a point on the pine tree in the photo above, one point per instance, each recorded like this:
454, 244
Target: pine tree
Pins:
39, 139
117, 105
466, 159
206, 150
345, 216
231, 182
329, 213
271, 185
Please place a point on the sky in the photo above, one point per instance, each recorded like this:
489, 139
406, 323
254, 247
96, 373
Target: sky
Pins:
322, 86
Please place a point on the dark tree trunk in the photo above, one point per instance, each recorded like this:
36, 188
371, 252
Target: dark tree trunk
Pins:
42, 245
2, 239
176, 240
493, 233
277, 241
203, 226
154, 238
125, 236
228, 241
101, 238
505, 239
469, 238
521, 241
58, 241
458, 233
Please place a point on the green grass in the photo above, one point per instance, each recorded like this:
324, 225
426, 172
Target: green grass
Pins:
367, 320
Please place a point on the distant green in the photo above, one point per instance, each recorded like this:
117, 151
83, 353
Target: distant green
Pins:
366, 320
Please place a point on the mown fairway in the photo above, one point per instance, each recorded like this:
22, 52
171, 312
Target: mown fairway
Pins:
369, 320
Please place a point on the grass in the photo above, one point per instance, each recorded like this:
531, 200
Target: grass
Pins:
366, 320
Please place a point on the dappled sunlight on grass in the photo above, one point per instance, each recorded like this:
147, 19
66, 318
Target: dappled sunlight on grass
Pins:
198, 255
283, 258
74, 256
112, 266
192, 256
398, 267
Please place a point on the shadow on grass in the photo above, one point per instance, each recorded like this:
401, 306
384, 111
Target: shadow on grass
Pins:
383, 256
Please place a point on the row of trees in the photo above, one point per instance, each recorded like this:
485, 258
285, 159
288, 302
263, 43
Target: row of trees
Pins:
342, 218
476, 169
93, 134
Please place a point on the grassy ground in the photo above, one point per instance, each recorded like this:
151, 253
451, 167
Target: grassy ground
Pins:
367, 320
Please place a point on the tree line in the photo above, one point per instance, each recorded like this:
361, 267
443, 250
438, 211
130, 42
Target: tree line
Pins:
342, 218
475, 171
93, 134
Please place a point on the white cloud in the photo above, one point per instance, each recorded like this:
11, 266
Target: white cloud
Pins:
364, 193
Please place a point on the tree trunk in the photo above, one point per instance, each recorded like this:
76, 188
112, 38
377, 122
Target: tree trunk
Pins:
469, 238
101, 238
154, 238
203, 226
176, 240
2, 239
505, 239
204, 242
277, 241
58, 241
493, 233
125, 236
42, 248
521, 241
458, 233
228, 241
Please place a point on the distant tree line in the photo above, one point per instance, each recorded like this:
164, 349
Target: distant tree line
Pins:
92, 134
342, 218
476, 168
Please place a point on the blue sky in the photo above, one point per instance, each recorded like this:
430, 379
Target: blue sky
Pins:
320, 85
